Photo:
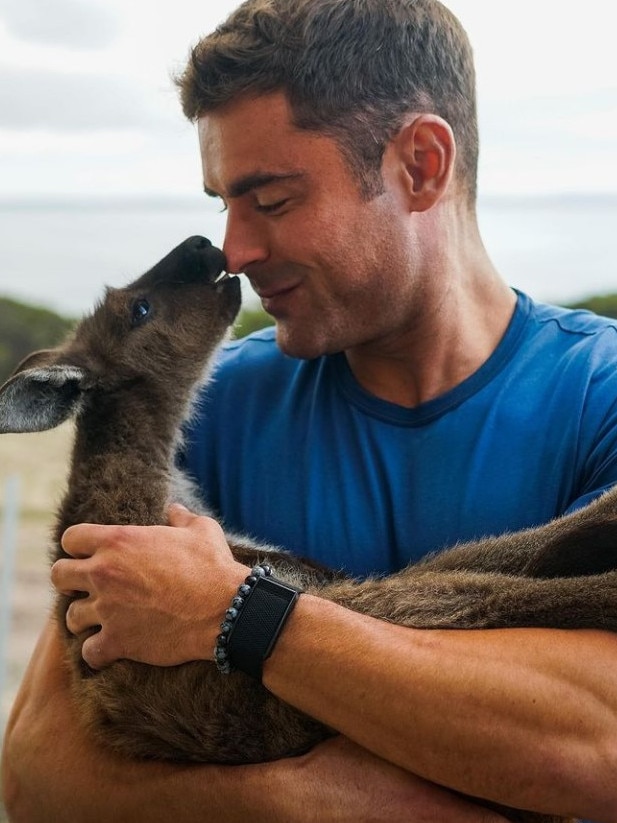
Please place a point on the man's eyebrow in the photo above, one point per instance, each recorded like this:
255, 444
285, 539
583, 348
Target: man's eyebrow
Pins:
253, 181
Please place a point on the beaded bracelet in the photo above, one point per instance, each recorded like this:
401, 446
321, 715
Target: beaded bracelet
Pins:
220, 650
253, 622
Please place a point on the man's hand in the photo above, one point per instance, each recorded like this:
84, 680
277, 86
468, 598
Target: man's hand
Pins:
158, 593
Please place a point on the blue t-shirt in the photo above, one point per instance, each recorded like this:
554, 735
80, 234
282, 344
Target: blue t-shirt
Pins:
297, 453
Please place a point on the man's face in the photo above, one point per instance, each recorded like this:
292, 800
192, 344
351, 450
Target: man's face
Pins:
331, 268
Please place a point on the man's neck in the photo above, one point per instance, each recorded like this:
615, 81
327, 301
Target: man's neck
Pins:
457, 333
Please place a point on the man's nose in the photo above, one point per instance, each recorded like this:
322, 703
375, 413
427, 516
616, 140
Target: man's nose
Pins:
244, 243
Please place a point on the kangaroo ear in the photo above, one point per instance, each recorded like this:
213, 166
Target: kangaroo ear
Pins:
40, 397
43, 357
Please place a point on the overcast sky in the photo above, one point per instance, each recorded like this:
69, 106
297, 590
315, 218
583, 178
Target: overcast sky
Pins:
87, 106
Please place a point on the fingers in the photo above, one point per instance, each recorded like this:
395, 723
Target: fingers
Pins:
81, 616
69, 577
84, 539
94, 652
204, 529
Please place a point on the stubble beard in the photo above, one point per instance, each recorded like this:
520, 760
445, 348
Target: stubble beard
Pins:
327, 336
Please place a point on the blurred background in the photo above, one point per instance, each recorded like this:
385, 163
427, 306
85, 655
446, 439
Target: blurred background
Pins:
100, 176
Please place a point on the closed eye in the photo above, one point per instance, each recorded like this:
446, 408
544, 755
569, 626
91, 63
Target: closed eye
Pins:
270, 208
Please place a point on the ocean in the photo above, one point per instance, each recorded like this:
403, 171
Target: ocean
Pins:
60, 254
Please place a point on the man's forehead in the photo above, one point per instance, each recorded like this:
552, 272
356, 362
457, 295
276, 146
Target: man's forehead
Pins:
245, 146
265, 118
247, 138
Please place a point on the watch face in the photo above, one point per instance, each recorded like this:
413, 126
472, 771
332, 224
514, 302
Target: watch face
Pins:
258, 623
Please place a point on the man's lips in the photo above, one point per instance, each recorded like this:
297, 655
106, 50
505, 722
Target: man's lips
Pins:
277, 300
275, 290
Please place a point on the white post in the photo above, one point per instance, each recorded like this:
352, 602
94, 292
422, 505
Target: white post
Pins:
9, 550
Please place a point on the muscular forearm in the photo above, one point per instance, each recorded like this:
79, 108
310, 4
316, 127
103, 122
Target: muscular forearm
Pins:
53, 772
535, 725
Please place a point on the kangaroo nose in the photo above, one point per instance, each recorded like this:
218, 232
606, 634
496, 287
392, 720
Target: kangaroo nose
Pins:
202, 258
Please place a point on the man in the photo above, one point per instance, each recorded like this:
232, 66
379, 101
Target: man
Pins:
413, 400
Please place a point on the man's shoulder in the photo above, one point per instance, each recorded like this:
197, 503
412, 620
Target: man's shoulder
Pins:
255, 350
562, 336
575, 321
262, 340
257, 361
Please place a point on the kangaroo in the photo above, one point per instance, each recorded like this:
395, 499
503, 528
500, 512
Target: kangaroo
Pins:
129, 375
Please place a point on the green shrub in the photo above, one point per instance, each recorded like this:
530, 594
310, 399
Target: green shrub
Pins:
604, 304
250, 320
25, 328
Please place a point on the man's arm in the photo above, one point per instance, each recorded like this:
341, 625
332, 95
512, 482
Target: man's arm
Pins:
527, 718
53, 773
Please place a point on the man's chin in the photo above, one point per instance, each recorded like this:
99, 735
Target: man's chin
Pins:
300, 343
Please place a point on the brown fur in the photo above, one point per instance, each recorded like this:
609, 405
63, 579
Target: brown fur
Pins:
130, 386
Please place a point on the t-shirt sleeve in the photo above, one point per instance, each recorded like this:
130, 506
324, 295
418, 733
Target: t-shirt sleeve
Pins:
598, 428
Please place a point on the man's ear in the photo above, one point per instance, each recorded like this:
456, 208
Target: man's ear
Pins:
426, 151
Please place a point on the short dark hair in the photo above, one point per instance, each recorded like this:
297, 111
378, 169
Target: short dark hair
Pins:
351, 69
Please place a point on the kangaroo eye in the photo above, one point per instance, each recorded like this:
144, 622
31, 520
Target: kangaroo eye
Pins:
140, 311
